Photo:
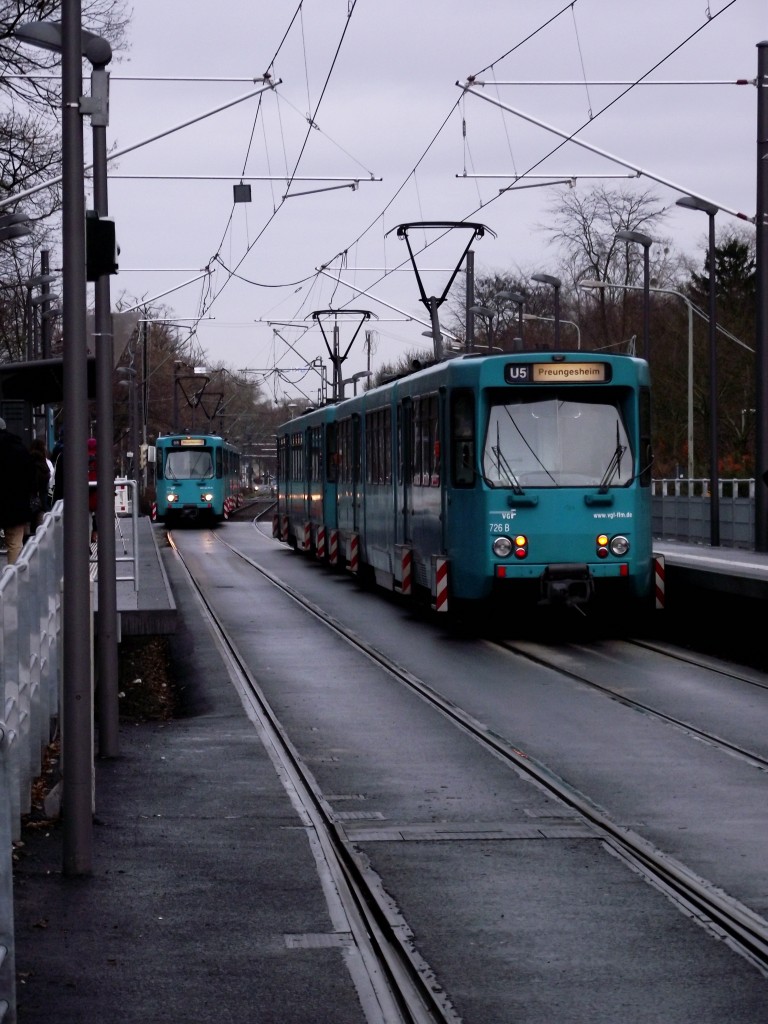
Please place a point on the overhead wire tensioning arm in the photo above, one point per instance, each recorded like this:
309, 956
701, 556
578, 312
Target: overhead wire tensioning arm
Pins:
433, 302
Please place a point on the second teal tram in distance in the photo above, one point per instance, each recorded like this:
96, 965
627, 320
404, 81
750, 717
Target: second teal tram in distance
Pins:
517, 478
197, 479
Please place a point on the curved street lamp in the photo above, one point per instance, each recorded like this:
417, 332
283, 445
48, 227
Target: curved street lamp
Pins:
691, 203
646, 241
519, 300
551, 319
487, 314
689, 304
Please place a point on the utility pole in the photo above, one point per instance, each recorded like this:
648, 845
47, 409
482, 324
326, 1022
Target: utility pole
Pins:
761, 303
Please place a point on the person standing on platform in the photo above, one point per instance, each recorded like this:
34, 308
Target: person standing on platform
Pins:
17, 472
58, 468
40, 501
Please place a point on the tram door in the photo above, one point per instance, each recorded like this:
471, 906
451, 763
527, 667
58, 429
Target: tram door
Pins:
404, 471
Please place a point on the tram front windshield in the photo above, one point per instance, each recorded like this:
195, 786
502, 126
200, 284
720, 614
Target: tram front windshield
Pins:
186, 464
556, 442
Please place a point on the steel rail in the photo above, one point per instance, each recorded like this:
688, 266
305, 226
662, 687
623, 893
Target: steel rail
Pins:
726, 917
403, 989
747, 756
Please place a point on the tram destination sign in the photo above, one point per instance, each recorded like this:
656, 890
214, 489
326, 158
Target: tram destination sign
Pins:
557, 373
188, 442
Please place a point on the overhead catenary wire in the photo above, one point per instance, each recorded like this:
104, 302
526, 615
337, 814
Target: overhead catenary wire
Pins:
632, 84
230, 267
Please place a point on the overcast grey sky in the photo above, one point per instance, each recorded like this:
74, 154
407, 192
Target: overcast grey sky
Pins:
380, 81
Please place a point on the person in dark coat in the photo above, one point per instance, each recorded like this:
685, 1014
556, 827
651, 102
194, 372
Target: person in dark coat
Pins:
17, 474
40, 502
57, 457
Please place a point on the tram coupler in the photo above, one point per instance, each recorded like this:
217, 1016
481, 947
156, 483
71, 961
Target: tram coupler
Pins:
566, 583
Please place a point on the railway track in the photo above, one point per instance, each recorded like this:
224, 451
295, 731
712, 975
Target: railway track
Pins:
393, 983
724, 916
543, 656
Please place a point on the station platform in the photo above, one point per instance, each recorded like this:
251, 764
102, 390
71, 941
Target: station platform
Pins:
145, 602
728, 571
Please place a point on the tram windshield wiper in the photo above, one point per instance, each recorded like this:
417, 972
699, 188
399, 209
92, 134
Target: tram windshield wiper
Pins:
504, 467
614, 466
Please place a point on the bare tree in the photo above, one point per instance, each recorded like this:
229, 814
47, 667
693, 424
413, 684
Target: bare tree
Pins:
585, 225
28, 74
30, 143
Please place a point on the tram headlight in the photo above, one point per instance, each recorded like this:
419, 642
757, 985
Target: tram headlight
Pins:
502, 547
207, 496
171, 498
619, 545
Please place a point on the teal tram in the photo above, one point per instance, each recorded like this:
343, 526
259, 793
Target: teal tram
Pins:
518, 478
197, 479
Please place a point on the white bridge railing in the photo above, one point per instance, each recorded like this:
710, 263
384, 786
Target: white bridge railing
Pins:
681, 511
30, 670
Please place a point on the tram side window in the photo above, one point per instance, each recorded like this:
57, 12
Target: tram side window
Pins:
349, 450
425, 448
401, 435
386, 447
345, 441
433, 422
282, 458
378, 446
463, 439
297, 457
355, 452
316, 453
331, 453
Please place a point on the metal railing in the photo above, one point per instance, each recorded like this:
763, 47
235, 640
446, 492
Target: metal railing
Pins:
30, 676
7, 943
30, 684
30, 654
681, 511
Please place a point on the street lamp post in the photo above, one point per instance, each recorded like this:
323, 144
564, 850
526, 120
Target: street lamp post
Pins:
551, 319
691, 203
646, 241
555, 282
689, 304
519, 300
487, 314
